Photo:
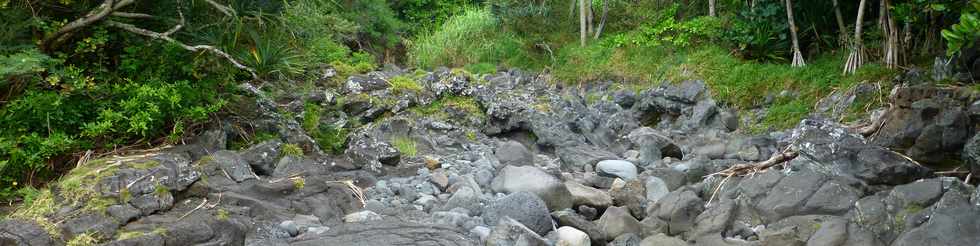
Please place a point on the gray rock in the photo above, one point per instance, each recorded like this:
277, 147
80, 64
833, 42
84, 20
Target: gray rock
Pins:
584, 195
687, 92
509, 232
232, 163
628, 239
631, 195
617, 168
534, 180
679, 209
656, 188
263, 157
524, 207
514, 153
618, 221
831, 233
789, 195
290, 227
653, 145
123, 213
18, 232
89, 223
577, 158
971, 155
466, 198
386, 232
662, 240
571, 219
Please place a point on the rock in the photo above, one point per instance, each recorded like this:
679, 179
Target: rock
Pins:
971, 155
466, 198
662, 240
440, 180
360, 83
953, 220
263, 157
618, 221
89, 223
653, 145
290, 227
362, 216
584, 195
509, 232
656, 188
481, 232
524, 207
679, 209
829, 148
534, 180
514, 153
625, 98
577, 158
123, 213
617, 168
833, 197
568, 236
232, 163
571, 219
687, 92
18, 232
788, 197
831, 233
628, 239
631, 195
386, 232
371, 152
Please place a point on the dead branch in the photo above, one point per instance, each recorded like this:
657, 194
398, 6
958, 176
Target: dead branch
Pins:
53, 40
192, 48
228, 11
745, 169
133, 15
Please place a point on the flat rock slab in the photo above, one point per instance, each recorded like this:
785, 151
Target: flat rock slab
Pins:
388, 232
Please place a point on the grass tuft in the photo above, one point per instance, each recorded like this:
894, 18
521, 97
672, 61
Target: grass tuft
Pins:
291, 150
405, 145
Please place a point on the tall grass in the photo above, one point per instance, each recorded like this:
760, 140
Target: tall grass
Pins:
475, 36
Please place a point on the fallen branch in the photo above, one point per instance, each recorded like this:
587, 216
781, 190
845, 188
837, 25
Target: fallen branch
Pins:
745, 169
193, 210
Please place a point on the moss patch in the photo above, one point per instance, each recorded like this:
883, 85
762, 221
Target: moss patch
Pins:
401, 85
441, 108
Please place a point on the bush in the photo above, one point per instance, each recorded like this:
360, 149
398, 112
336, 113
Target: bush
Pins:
472, 37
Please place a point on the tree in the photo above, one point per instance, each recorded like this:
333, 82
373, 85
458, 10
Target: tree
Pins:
890, 42
115, 8
583, 32
711, 8
856, 57
602, 22
841, 28
797, 55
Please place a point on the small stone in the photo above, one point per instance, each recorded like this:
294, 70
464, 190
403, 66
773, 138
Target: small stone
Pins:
481, 231
362, 216
568, 236
290, 227
584, 195
656, 189
440, 180
618, 221
617, 168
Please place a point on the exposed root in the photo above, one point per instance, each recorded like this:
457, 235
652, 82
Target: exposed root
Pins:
715, 193
353, 189
205, 201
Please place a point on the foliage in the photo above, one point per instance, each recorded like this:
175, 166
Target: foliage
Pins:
475, 36
291, 150
330, 138
965, 33
403, 85
760, 33
667, 30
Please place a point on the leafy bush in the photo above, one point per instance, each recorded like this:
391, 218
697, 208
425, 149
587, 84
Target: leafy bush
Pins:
760, 33
472, 37
667, 30
965, 33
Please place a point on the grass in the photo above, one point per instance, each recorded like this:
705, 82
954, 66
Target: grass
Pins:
247, 141
473, 37
735, 82
405, 145
85, 239
291, 150
440, 108
299, 183
222, 214
330, 138
401, 85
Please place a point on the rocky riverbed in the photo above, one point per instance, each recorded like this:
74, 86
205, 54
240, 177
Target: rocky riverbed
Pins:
512, 159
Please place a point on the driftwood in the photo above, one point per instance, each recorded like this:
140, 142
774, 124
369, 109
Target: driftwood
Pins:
746, 169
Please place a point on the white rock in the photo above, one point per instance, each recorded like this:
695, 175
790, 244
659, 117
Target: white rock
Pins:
362, 216
569, 236
617, 168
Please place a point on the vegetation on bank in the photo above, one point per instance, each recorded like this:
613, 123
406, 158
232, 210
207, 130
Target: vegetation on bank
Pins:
152, 73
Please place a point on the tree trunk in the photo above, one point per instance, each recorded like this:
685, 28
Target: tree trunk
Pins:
582, 21
589, 16
856, 57
602, 22
891, 35
797, 55
841, 27
711, 8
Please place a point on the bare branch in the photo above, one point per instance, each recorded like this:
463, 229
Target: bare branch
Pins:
133, 15
193, 48
228, 11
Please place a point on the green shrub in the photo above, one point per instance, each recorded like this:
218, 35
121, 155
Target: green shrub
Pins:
405, 145
291, 150
474, 36
403, 84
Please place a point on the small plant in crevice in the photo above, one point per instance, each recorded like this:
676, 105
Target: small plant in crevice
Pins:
291, 150
405, 145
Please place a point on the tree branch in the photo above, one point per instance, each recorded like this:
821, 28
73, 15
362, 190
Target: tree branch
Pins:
223, 9
193, 48
132, 15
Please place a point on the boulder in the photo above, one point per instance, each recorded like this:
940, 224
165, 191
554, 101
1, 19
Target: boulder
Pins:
584, 195
569, 236
232, 163
630, 195
653, 145
618, 221
466, 198
514, 153
263, 157
617, 168
524, 207
662, 240
679, 209
571, 219
656, 188
362, 216
19, 232
509, 232
971, 155
578, 157
534, 180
